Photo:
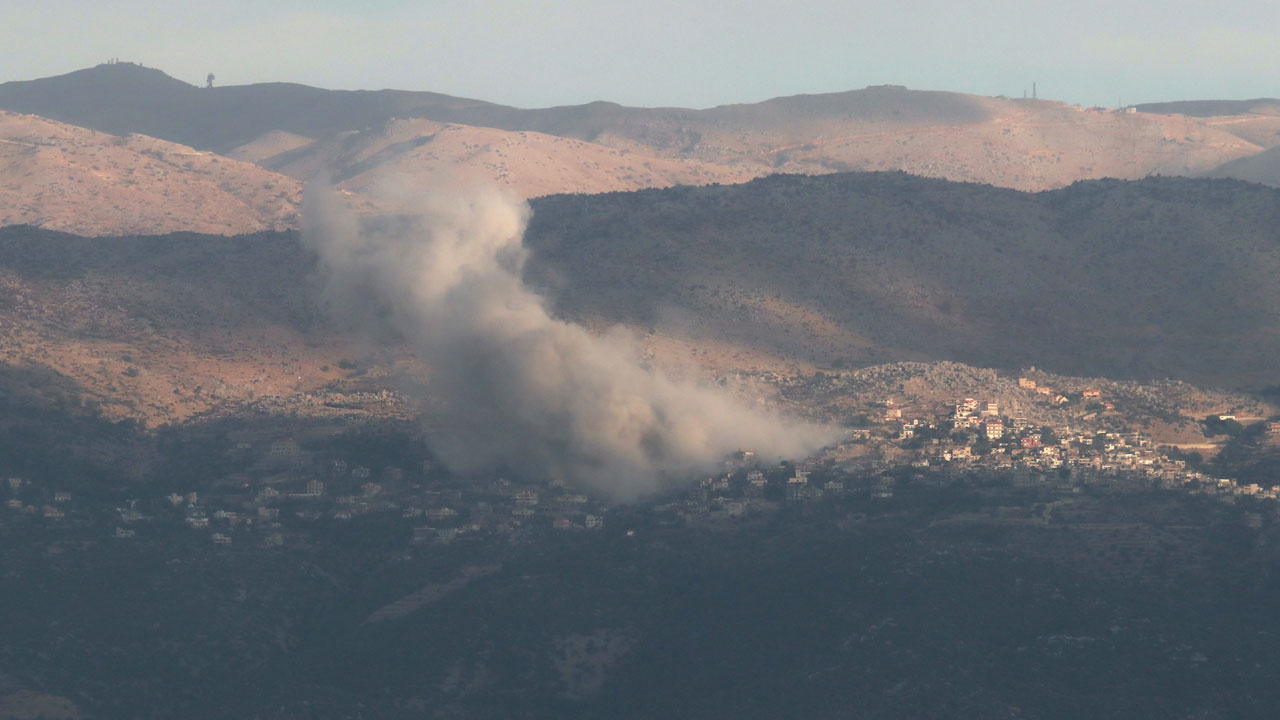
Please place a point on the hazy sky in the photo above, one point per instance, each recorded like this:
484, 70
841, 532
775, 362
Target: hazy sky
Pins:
693, 53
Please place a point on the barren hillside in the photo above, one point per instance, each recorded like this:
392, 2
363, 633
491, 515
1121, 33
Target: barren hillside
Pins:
68, 178
529, 163
164, 327
1026, 145
1022, 144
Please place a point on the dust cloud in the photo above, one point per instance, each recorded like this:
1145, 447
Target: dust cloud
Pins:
521, 390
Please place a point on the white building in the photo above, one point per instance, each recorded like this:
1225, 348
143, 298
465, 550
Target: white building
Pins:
994, 429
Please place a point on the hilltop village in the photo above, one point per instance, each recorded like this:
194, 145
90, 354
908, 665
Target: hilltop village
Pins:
1053, 436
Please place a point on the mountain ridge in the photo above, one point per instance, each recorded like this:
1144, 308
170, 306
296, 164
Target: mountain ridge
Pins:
1023, 144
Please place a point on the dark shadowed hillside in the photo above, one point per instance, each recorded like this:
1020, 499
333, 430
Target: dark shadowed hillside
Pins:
1261, 168
1164, 277
1211, 108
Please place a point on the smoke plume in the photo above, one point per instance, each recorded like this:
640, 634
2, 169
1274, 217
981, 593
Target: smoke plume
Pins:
521, 389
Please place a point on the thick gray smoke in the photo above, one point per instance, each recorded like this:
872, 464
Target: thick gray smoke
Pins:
520, 388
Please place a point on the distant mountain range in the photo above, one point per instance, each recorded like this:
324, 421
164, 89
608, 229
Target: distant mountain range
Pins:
364, 138
1213, 108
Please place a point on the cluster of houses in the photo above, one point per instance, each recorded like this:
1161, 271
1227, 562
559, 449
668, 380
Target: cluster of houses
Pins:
969, 434
285, 490
52, 506
293, 492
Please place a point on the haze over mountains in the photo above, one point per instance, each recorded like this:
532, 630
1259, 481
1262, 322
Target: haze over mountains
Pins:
366, 138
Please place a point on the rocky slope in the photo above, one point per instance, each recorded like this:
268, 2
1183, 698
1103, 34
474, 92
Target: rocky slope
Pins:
530, 164
68, 178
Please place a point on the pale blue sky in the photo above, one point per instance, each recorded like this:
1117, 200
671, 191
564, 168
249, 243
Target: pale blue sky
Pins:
692, 53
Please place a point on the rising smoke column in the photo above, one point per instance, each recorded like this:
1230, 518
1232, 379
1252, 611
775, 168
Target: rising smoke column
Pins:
522, 389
